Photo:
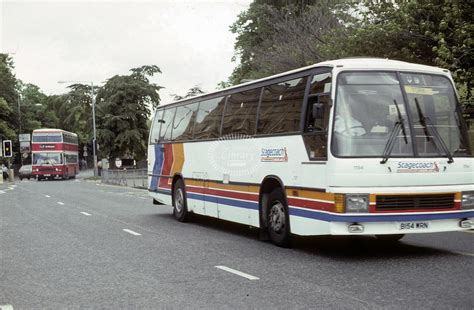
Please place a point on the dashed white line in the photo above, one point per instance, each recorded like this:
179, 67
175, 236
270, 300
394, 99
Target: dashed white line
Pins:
60, 203
6, 307
2, 192
47, 196
239, 273
86, 214
131, 232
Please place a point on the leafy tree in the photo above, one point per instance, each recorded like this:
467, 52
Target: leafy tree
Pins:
8, 98
438, 33
275, 36
123, 109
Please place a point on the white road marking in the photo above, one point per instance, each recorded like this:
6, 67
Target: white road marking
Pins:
47, 196
60, 203
6, 307
239, 273
2, 192
77, 180
14, 185
131, 232
11, 187
86, 214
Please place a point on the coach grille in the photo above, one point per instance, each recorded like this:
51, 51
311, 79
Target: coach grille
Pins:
414, 202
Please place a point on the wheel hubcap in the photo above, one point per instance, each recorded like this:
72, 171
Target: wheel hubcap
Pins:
179, 200
277, 217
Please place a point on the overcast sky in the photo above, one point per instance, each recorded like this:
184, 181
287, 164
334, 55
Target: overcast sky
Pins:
93, 40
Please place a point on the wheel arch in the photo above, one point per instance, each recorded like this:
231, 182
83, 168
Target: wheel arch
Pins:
268, 184
176, 178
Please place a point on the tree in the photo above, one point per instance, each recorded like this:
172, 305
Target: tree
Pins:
8, 98
276, 36
123, 109
438, 33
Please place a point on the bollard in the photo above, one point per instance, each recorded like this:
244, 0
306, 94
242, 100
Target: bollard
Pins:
1, 178
11, 176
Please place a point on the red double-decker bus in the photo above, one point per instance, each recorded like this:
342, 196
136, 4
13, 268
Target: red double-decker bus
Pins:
55, 153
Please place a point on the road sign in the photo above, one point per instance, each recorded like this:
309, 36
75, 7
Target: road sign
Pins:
24, 137
25, 147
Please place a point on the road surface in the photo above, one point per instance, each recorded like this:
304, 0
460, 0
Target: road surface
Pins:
79, 244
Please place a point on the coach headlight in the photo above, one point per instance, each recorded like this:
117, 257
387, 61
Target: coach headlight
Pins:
357, 203
467, 200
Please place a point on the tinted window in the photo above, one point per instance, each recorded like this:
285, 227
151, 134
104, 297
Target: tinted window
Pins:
184, 122
208, 120
53, 137
155, 128
280, 110
68, 138
166, 124
241, 113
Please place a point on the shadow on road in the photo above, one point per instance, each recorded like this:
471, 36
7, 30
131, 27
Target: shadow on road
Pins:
334, 247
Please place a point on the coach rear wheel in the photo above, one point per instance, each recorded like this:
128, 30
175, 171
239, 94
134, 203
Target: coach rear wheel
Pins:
180, 207
390, 238
277, 219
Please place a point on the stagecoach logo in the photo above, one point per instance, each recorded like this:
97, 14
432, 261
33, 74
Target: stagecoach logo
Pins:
47, 146
274, 155
417, 167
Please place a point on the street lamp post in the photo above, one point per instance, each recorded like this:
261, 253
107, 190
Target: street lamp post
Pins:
94, 138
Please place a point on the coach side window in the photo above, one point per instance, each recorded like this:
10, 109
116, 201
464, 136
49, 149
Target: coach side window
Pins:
208, 119
241, 113
184, 122
280, 110
317, 116
155, 129
167, 124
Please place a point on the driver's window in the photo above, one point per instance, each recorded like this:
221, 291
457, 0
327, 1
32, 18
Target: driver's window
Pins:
317, 116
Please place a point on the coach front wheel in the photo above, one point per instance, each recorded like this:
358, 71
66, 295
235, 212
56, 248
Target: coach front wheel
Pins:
277, 219
180, 207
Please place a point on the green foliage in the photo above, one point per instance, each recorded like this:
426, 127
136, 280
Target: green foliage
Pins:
6, 132
438, 33
8, 98
123, 111
276, 36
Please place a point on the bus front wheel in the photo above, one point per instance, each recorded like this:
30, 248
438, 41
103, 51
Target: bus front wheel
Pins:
180, 206
278, 222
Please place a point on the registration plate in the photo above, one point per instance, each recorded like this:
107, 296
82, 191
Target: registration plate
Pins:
47, 175
413, 225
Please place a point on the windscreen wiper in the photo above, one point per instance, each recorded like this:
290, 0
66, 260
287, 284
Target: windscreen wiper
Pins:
430, 129
399, 125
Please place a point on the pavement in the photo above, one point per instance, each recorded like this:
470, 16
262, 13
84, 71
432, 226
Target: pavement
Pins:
78, 244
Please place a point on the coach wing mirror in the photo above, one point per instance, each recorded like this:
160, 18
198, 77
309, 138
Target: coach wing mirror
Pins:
318, 110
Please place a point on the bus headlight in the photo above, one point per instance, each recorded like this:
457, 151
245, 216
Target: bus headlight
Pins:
467, 200
357, 203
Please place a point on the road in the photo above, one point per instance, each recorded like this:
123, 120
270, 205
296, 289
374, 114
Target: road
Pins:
79, 244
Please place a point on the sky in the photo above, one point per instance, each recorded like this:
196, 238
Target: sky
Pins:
90, 41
